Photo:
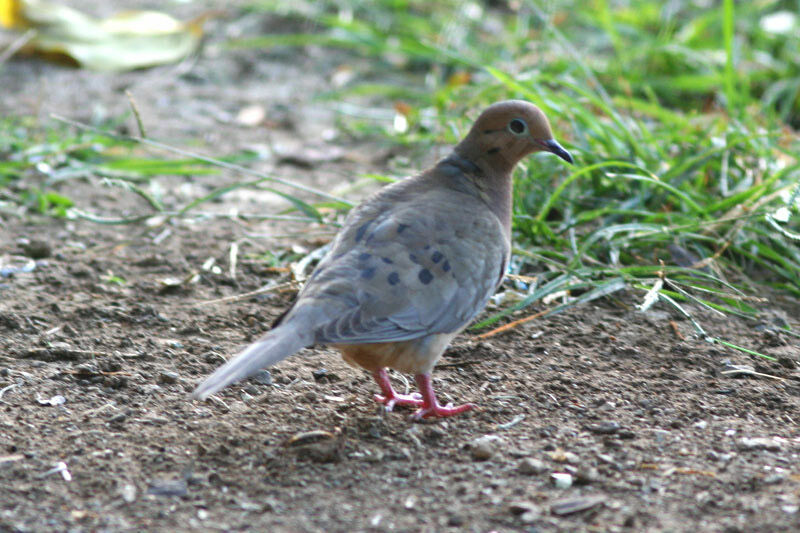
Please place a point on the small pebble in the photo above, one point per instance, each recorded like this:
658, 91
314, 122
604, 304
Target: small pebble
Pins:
530, 466
586, 475
604, 428
455, 520
483, 448
263, 377
561, 480
572, 458
575, 505
760, 443
626, 434
128, 493
527, 511
167, 376
168, 488
661, 435
36, 249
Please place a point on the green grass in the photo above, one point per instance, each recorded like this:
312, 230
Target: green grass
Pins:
35, 160
680, 117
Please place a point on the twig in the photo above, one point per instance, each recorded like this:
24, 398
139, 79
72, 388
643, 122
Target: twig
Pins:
233, 257
6, 389
676, 330
237, 297
514, 324
73, 352
406, 384
748, 372
513, 422
459, 363
15, 46
97, 373
200, 157
136, 114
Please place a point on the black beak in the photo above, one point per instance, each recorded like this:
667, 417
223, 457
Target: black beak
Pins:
551, 145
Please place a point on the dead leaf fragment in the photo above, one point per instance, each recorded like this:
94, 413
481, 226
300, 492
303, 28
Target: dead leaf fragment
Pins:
126, 41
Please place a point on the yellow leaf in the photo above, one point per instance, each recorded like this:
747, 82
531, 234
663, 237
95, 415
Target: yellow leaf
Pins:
126, 41
10, 14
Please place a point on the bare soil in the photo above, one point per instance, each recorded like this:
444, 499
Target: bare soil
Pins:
657, 429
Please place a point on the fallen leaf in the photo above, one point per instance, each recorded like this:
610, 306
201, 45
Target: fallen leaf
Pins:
126, 41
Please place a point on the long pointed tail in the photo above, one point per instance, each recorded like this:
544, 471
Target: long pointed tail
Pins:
275, 346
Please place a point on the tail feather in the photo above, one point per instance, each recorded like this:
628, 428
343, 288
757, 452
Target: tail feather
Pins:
275, 346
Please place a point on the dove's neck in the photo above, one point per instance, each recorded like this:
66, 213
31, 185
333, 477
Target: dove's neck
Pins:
481, 180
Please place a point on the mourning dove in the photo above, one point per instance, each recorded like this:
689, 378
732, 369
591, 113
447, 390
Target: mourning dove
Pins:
412, 265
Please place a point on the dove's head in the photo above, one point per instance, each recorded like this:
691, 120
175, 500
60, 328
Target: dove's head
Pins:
506, 132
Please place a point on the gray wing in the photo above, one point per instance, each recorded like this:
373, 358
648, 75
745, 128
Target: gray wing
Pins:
400, 271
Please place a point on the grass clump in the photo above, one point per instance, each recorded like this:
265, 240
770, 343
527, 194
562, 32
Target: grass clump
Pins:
680, 116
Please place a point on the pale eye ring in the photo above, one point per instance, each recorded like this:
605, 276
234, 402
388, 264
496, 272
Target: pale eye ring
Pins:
518, 126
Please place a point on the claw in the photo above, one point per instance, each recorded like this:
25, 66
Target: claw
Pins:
390, 398
430, 406
414, 400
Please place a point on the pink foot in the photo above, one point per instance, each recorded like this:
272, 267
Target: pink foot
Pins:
430, 405
414, 400
390, 398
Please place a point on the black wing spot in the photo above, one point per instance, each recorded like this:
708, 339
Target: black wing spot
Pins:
387, 260
280, 317
493, 150
364, 256
368, 273
414, 259
425, 276
437, 256
502, 272
446, 266
362, 230
401, 228
393, 278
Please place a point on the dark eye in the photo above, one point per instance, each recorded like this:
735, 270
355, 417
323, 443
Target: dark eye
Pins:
517, 126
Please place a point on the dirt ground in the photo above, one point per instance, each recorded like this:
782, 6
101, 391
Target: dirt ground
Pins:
601, 419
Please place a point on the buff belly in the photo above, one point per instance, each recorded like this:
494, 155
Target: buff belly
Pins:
417, 356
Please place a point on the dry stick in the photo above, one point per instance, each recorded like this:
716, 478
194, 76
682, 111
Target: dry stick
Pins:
676, 330
6, 389
136, 114
459, 364
15, 46
200, 157
748, 372
237, 297
515, 323
233, 257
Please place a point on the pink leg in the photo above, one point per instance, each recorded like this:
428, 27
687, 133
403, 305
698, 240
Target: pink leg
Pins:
390, 398
430, 406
